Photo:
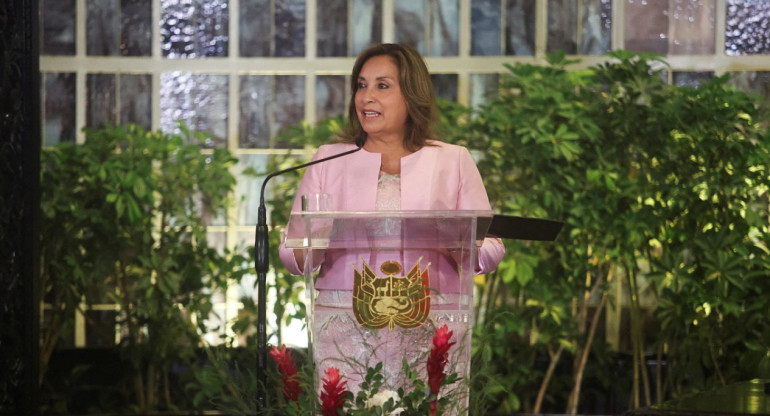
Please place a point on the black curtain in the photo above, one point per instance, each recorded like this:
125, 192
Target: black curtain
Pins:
20, 143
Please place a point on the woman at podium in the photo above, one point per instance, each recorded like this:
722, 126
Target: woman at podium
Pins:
402, 166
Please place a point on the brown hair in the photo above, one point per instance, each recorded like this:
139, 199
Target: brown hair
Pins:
416, 87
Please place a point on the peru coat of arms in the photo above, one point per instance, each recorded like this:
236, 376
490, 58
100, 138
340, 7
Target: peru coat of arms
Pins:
380, 301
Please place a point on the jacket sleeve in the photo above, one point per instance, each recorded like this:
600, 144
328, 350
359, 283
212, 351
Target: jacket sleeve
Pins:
473, 196
490, 255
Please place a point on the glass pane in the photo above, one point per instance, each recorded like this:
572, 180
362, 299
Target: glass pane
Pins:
444, 25
215, 324
208, 216
136, 99
100, 107
200, 101
652, 36
248, 188
254, 26
330, 96
409, 20
483, 87
248, 284
747, 25
105, 293
194, 28
136, 27
246, 241
118, 27
59, 108
100, 328
58, 24
331, 21
365, 24
485, 28
445, 86
755, 82
691, 79
217, 241
289, 105
254, 109
596, 36
692, 27
520, 27
50, 318
102, 27
289, 27
562, 26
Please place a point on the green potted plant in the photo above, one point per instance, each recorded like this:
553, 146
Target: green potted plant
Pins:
663, 190
124, 223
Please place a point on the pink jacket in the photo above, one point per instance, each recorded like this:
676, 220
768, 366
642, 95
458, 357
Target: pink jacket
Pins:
440, 177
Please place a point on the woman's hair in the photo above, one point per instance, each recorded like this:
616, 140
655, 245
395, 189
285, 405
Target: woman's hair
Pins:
416, 87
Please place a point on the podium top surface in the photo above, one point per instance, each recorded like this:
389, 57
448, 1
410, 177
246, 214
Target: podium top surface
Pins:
358, 215
422, 224
359, 228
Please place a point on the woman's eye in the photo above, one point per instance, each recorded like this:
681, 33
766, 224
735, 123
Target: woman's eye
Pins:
361, 85
382, 86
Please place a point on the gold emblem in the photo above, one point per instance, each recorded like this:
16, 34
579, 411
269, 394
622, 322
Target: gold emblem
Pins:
390, 300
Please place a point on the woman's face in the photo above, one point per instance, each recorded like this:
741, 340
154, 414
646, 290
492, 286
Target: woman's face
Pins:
380, 106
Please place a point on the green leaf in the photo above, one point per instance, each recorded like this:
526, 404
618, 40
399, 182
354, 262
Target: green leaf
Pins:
140, 188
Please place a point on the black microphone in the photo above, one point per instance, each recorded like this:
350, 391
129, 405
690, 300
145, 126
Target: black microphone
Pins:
262, 265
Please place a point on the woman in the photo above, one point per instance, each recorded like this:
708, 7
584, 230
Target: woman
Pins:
402, 166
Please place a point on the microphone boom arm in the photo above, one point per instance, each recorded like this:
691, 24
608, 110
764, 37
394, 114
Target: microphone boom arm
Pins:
262, 266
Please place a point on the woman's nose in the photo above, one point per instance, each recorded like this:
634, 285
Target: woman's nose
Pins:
366, 95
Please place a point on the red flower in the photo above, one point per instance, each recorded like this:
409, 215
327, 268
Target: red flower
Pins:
437, 361
334, 391
288, 369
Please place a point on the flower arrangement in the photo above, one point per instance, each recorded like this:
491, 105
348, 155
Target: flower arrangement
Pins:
336, 399
288, 369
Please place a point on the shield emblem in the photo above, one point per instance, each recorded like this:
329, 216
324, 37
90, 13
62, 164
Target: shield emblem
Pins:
380, 301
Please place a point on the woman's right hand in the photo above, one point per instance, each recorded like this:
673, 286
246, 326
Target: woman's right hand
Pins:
299, 256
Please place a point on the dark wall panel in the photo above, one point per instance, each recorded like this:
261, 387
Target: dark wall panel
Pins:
19, 204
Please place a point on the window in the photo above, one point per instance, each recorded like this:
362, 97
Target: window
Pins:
242, 70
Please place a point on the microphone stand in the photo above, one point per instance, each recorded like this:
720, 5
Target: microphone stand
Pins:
262, 265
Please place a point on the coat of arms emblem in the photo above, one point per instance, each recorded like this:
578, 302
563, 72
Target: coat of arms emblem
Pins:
390, 300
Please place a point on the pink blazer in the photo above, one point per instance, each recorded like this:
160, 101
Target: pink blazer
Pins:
440, 177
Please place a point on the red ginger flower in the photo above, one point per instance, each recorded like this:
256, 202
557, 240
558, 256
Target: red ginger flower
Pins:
333, 393
437, 361
288, 369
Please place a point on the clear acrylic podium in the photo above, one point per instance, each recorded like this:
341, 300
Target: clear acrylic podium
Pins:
387, 281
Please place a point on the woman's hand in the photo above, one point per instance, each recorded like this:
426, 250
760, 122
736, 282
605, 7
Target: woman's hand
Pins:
299, 256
